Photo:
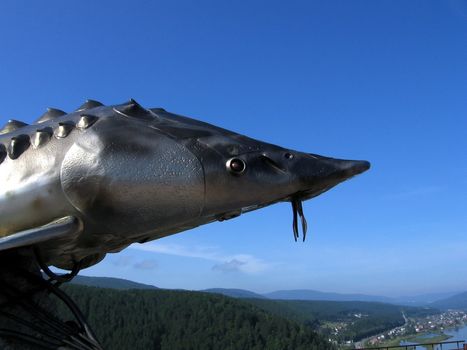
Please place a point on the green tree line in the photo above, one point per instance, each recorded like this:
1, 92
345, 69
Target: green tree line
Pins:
163, 319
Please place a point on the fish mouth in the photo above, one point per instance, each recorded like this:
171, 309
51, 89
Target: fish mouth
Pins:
345, 169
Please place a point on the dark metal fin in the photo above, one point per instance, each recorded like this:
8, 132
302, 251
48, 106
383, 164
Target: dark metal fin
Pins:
41, 137
63, 130
133, 109
51, 113
85, 121
18, 145
88, 105
295, 222
2, 153
302, 217
12, 125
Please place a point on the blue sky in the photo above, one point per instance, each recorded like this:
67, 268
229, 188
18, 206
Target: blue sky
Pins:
379, 80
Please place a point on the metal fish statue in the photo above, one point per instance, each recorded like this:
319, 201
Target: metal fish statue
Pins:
76, 186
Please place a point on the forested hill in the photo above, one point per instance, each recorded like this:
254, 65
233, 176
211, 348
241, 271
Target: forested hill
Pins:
362, 319
235, 293
110, 282
164, 319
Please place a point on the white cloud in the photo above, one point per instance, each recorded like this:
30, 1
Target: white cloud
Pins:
224, 262
233, 265
145, 265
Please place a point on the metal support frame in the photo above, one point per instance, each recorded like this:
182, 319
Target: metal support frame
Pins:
45, 330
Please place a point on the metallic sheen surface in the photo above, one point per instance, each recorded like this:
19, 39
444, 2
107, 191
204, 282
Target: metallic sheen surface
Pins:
128, 174
50, 114
12, 125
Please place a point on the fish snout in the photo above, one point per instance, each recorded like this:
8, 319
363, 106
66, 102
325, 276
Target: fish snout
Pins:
317, 174
349, 168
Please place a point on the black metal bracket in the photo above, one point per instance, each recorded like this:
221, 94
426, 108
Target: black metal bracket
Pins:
37, 326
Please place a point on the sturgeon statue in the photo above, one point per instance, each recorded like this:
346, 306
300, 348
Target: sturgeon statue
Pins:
76, 186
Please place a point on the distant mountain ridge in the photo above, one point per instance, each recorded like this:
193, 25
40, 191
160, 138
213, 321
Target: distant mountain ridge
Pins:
235, 293
110, 282
308, 294
437, 300
423, 299
457, 301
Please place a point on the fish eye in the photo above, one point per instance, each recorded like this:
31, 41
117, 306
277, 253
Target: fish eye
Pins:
236, 166
288, 155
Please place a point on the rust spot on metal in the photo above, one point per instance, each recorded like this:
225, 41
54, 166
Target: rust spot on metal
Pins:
37, 204
3, 232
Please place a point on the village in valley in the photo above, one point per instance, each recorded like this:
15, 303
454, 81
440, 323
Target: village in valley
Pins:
416, 330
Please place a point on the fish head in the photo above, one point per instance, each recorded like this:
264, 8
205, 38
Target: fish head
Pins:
243, 174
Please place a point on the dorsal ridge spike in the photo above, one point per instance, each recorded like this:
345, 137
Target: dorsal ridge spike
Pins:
133, 109
55, 111
18, 145
41, 137
51, 113
17, 122
89, 104
63, 130
85, 121
12, 125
